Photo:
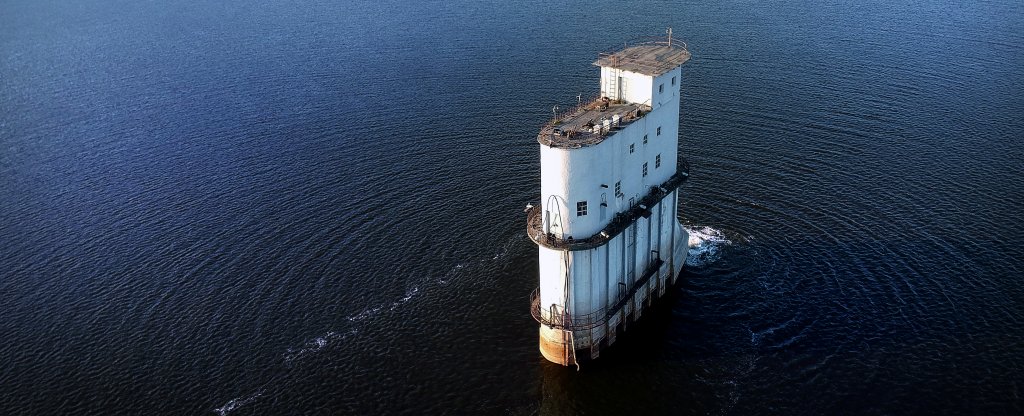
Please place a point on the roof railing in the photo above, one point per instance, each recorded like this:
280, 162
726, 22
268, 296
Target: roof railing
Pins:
645, 40
588, 133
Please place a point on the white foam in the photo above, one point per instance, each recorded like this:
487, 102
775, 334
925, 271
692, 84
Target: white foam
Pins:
236, 403
757, 338
412, 292
366, 313
371, 312
319, 343
451, 273
505, 248
408, 296
705, 246
314, 345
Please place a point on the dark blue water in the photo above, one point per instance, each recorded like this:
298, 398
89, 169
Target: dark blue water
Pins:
315, 207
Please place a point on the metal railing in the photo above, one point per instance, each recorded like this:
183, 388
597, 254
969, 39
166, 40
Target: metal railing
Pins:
559, 318
551, 135
672, 41
587, 103
637, 61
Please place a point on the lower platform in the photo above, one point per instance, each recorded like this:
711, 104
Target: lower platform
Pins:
569, 348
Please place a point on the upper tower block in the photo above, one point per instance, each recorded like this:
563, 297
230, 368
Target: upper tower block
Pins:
632, 74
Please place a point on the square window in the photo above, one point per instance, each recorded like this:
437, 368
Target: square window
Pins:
581, 208
645, 169
673, 80
618, 188
631, 147
661, 88
659, 131
657, 161
645, 139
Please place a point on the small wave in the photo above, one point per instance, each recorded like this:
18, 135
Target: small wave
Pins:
469, 266
408, 296
314, 345
756, 337
506, 248
366, 313
371, 312
451, 273
236, 403
781, 335
321, 342
705, 246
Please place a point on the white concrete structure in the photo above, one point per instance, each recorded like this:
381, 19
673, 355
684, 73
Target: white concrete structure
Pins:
606, 226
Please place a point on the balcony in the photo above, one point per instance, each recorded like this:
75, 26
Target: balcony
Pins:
559, 318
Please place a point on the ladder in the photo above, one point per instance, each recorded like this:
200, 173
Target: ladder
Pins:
613, 85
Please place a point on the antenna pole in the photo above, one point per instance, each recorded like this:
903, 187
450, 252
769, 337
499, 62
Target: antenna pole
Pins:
669, 37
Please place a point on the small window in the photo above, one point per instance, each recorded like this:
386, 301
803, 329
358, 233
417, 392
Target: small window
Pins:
661, 88
673, 80
645, 169
581, 208
632, 147
645, 139
659, 131
618, 188
657, 161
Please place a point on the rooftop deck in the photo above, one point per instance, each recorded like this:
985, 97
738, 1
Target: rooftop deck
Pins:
649, 58
589, 123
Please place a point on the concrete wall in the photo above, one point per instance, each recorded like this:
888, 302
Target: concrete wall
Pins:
639, 88
598, 277
663, 92
628, 86
569, 176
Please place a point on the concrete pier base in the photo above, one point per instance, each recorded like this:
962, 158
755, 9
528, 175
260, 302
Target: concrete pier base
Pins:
568, 348
553, 348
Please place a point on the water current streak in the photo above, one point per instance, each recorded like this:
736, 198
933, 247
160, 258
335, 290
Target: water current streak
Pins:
332, 337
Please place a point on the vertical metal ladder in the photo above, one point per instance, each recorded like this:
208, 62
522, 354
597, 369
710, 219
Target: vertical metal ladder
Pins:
613, 84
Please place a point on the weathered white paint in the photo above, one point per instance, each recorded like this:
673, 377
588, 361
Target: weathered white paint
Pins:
598, 277
593, 280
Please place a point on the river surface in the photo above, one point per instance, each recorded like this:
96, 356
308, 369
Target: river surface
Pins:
316, 207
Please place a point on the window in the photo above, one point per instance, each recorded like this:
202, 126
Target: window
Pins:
645, 139
673, 80
631, 147
657, 161
661, 88
659, 131
645, 169
618, 188
581, 208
